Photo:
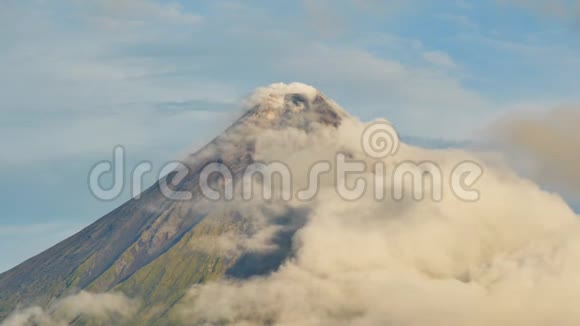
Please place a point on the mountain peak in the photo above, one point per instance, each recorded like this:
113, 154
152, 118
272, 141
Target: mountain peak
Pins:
291, 105
149, 246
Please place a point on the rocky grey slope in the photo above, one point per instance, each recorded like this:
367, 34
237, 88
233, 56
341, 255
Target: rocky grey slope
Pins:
150, 247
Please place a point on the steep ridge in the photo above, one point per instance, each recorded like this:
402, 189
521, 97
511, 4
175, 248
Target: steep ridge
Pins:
151, 247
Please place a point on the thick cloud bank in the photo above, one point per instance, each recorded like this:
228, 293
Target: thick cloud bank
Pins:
512, 257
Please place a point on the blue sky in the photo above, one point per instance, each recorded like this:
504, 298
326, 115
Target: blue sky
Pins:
159, 77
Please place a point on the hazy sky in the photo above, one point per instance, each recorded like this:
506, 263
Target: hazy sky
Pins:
79, 77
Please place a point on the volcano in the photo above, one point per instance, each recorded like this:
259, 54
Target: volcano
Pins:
151, 247
507, 256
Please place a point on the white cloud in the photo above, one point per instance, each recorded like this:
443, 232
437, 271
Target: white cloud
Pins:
105, 307
369, 262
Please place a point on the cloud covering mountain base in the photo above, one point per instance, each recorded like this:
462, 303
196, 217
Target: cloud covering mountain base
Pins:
511, 257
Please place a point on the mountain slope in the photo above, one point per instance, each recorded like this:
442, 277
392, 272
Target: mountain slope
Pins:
155, 248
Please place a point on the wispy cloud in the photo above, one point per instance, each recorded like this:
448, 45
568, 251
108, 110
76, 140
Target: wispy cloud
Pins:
544, 146
460, 20
567, 10
115, 13
439, 58
94, 135
101, 307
